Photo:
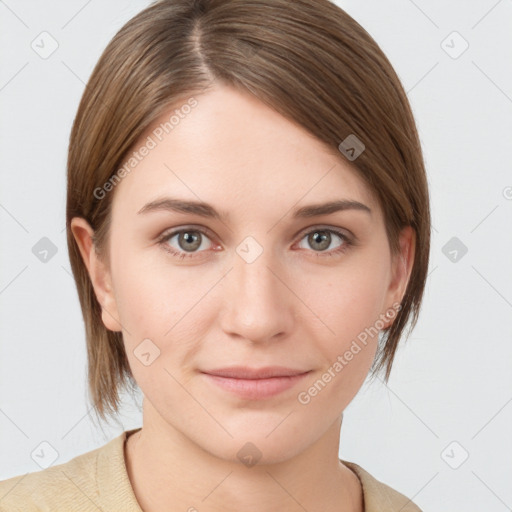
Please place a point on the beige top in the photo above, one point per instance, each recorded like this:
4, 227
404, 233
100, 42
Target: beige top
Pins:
98, 480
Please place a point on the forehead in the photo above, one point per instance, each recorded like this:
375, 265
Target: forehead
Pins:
233, 151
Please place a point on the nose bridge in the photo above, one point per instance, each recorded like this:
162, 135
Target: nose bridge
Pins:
257, 305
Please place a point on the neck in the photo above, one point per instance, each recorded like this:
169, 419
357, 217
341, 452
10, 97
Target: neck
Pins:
167, 470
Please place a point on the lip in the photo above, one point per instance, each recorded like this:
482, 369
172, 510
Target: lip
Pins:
255, 383
246, 372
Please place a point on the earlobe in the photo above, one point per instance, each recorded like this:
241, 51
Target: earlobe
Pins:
98, 272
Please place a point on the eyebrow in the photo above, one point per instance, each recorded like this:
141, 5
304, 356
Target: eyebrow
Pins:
207, 210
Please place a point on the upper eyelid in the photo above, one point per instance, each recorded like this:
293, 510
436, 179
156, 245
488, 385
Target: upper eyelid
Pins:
320, 227
168, 233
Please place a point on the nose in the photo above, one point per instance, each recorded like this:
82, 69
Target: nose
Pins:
257, 304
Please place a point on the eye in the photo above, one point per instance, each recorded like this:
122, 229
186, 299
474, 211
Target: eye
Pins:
320, 240
188, 242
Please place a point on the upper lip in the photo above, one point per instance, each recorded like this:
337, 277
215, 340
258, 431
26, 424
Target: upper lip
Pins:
245, 372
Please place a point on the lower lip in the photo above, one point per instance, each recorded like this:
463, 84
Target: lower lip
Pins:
256, 389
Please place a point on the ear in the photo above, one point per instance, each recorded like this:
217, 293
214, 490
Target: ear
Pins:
401, 268
99, 273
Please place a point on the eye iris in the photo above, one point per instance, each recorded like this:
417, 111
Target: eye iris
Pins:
189, 238
320, 237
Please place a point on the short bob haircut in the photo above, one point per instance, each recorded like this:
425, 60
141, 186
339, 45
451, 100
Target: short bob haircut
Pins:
306, 59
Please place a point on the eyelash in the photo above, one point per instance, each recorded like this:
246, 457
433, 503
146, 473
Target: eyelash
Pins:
347, 242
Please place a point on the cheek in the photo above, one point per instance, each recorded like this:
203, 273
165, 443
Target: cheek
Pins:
151, 294
348, 302
348, 306
162, 304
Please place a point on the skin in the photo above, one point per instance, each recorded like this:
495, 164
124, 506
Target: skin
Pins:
293, 306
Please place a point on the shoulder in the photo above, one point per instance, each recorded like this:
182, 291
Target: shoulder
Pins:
378, 496
74, 485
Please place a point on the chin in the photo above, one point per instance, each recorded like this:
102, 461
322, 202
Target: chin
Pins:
255, 446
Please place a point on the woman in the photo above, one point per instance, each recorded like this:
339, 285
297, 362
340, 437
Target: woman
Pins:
248, 226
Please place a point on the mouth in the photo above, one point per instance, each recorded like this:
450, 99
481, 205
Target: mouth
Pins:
255, 383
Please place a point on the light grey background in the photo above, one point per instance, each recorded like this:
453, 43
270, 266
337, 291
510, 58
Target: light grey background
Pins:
450, 392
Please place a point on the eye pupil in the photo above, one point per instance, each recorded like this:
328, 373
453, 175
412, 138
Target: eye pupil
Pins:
320, 237
189, 238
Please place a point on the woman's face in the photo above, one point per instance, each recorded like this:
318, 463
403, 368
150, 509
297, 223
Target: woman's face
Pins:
245, 281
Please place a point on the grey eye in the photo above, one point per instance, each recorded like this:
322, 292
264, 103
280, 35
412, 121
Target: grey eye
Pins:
321, 239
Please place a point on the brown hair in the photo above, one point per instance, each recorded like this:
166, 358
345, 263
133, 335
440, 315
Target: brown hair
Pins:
308, 60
